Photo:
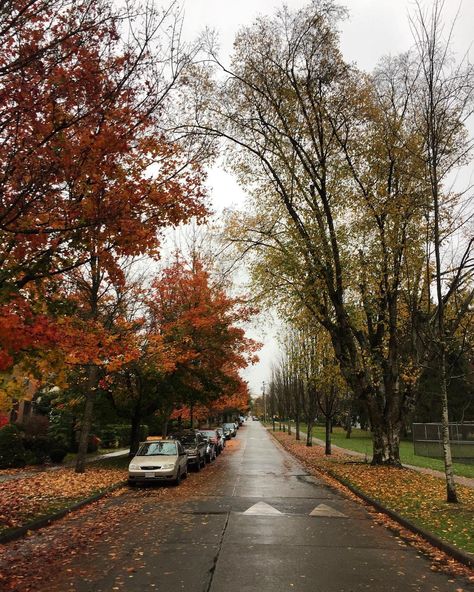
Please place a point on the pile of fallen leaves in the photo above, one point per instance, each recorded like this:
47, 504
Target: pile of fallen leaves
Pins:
27, 499
417, 497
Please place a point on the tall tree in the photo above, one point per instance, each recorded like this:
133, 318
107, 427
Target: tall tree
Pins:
444, 102
329, 156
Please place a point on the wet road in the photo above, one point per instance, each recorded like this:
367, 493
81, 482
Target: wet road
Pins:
253, 521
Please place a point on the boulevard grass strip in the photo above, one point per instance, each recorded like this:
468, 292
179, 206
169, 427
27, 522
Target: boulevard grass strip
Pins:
361, 441
417, 497
27, 500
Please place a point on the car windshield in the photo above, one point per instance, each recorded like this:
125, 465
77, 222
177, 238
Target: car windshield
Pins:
157, 449
208, 433
229, 425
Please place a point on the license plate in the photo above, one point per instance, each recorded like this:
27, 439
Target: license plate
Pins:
149, 475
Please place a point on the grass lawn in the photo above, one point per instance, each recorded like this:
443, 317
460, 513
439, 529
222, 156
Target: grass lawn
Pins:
361, 441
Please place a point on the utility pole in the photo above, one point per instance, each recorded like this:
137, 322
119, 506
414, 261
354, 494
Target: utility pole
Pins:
264, 403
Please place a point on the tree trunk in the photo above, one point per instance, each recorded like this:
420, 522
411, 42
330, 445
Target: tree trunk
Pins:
385, 434
451, 493
92, 379
327, 450
135, 430
349, 423
309, 433
379, 445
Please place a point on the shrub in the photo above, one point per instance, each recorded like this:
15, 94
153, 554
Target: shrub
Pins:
110, 437
58, 454
12, 450
39, 446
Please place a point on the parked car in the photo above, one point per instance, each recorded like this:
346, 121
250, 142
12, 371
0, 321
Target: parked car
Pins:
195, 446
211, 448
161, 460
222, 440
231, 429
214, 439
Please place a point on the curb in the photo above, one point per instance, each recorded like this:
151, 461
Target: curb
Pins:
461, 556
17, 533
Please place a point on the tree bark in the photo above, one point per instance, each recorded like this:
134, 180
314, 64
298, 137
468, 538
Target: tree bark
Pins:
135, 429
92, 380
309, 433
451, 493
327, 449
349, 423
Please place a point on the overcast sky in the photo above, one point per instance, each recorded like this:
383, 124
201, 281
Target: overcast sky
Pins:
375, 28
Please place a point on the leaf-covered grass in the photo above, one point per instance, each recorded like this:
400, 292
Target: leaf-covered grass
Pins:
361, 441
24, 500
418, 497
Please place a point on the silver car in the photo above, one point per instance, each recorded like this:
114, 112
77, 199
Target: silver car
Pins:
159, 460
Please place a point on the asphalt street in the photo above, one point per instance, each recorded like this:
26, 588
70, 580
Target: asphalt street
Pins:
253, 521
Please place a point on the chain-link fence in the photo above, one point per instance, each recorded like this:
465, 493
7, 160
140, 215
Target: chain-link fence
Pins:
428, 440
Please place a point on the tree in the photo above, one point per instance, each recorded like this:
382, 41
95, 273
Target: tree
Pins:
191, 349
444, 99
329, 155
83, 88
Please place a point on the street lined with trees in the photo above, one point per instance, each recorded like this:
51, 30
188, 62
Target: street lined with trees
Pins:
357, 233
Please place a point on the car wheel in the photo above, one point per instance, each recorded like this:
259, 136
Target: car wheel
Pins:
185, 474
203, 461
197, 466
177, 481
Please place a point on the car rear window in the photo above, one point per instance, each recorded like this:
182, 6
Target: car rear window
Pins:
157, 449
188, 439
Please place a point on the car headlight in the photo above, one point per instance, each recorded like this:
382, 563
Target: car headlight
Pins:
133, 467
168, 466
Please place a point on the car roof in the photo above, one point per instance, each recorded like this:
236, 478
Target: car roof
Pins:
154, 440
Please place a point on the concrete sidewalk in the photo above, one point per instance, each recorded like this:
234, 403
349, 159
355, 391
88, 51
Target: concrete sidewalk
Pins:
466, 481
4, 478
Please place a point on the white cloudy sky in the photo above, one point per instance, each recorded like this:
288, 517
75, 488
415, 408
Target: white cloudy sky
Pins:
375, 28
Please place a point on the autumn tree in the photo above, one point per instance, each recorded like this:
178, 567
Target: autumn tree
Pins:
83, 88
328, 154
191, 349
443, 101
